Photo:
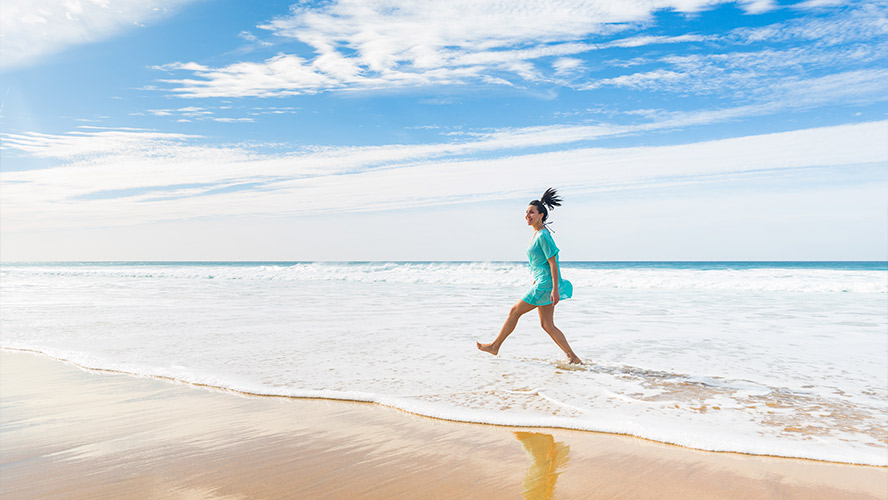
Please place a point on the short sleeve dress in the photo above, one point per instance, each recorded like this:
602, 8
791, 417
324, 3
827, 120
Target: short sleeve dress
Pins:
542, 246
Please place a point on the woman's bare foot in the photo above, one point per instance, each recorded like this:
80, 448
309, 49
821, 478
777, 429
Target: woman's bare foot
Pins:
488, 348
574, 359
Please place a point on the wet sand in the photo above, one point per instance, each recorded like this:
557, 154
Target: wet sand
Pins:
69, 433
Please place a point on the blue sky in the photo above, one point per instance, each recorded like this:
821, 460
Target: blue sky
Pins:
396, 130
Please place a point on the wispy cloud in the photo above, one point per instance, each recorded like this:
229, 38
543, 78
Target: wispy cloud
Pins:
742, 74
816, 4
566, 65
860, 22
382, 44
210, 113
126, 184
758, 6
92, 141
853, 87
850, 87
748, 63
250, 37
31, 29
386, 45
274, 110
234, 120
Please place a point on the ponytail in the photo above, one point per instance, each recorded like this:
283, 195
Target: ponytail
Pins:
551, 199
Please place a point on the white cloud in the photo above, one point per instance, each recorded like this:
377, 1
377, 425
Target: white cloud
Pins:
758, 6
372, 44
138, 176
91, 143
564, 65
852, 87
246, 35
658, 78
862, 23
816, 4
749, 74
31, 29
585, 170
197, 113
640, 41
385, 44
106, 144
281, 75
234, 120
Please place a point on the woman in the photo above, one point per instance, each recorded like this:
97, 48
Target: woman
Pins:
546, 291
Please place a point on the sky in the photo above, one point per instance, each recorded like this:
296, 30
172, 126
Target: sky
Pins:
353, 130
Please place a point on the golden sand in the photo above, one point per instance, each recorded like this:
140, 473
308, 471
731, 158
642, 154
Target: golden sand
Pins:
68, 433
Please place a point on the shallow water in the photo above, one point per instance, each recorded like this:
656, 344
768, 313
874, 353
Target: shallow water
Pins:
787, 359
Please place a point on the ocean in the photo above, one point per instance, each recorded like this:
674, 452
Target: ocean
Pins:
775, 358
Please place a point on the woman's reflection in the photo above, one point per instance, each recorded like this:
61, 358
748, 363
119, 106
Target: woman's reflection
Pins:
548, 457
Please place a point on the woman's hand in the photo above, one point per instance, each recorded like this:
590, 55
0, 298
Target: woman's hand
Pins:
556, 278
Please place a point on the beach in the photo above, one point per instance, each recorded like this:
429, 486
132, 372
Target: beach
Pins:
336, 249
72, 433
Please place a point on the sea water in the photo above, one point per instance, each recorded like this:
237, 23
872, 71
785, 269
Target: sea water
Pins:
779, 358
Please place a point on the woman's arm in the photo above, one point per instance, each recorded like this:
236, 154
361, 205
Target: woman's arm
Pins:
553, 266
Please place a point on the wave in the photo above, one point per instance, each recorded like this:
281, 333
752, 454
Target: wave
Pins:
487, 274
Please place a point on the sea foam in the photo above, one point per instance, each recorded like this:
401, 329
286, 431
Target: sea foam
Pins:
786, 361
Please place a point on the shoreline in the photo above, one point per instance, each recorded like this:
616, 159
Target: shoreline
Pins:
376, 402
81, 434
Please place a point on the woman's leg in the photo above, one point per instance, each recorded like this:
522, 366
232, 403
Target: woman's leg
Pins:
516, 312
547, 320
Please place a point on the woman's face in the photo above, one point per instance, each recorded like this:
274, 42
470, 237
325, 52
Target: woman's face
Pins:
532, 215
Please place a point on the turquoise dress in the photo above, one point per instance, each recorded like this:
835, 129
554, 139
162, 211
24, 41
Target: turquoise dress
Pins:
542, 246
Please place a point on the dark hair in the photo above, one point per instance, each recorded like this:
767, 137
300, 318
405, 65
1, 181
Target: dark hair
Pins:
549, 199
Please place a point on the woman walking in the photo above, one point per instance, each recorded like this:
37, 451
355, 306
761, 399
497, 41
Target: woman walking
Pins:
548, 286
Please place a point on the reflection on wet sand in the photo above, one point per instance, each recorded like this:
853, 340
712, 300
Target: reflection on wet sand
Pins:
67, 433
548, 457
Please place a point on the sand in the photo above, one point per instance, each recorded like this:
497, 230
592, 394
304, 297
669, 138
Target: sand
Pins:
70, 433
